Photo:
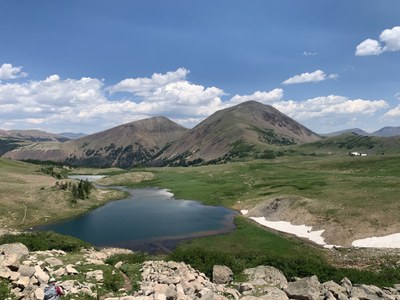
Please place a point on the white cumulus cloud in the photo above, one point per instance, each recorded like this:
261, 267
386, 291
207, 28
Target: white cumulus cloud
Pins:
259, 96
56, 104
7, 71
389, 40
393, 113
315, 76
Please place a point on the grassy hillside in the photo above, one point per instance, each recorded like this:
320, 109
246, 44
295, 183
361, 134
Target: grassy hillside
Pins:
349, 197
29, 197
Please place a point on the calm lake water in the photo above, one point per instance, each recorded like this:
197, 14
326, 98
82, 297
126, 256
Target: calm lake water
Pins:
149, 220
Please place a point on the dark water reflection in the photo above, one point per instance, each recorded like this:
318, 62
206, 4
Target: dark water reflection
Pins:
149, 220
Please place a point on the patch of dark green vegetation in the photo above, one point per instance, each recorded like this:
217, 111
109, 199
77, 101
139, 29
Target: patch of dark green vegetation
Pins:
5, 291
58, 173
349, 141
111, 155
9, 144
240, 149
131, 266
250, 246
45, 240
132, 258
269, 136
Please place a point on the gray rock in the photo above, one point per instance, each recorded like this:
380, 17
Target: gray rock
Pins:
23, 282
96, 275
26, 270
334, 288
262, 275
346, 283
10, 260
304, 289
18, 249
221, 274
370, 292
70, 269
52, 261
14, 276
273, 293
5, 272
38, 294
41, 275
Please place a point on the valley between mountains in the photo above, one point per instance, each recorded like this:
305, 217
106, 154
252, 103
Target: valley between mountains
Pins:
249, 157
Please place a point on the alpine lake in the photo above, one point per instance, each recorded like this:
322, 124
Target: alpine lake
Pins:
148, 220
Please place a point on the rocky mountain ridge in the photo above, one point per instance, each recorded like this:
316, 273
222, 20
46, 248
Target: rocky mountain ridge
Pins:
159, 141
27, 273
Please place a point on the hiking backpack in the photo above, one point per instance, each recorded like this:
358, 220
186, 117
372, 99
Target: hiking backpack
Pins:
50, 292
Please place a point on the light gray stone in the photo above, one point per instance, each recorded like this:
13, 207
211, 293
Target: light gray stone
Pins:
10, 260
18, 249
262, 275
273, 293
23, 282
334, 288
5, 272
54, 262
26, 270
38, 294
305, 288
221, 274
41, 275
70, 269
96, 275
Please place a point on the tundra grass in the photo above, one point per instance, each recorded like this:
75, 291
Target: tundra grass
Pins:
250, 246
341, 187
29, 197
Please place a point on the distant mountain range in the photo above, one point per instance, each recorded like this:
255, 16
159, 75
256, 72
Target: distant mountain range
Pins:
383, 132
249, 129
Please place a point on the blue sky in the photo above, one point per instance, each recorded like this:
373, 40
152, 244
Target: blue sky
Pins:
85, 66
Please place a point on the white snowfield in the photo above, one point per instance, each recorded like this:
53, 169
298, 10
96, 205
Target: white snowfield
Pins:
304, 231
388, 241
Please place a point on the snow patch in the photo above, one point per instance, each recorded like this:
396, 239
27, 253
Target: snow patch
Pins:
244, 211
388, 241
303, 231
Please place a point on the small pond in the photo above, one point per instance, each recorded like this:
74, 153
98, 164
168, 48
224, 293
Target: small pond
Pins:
148, 220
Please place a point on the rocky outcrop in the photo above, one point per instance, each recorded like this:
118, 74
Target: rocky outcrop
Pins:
29, 272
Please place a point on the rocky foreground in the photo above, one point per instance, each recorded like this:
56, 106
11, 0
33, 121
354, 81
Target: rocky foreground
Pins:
28, 273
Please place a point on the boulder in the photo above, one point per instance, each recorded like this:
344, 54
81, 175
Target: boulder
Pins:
54, 262
70, 269
5, 272
38, 294
334, 288
10, 260
96, 275
273, 293
14, 276
26, 270
266, 275
41, 275
59, 272
346, 283
23, 282
18, 249
305, 289
221, 274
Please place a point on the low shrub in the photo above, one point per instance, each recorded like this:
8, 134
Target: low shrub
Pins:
5, 292
132, 258
45, 240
